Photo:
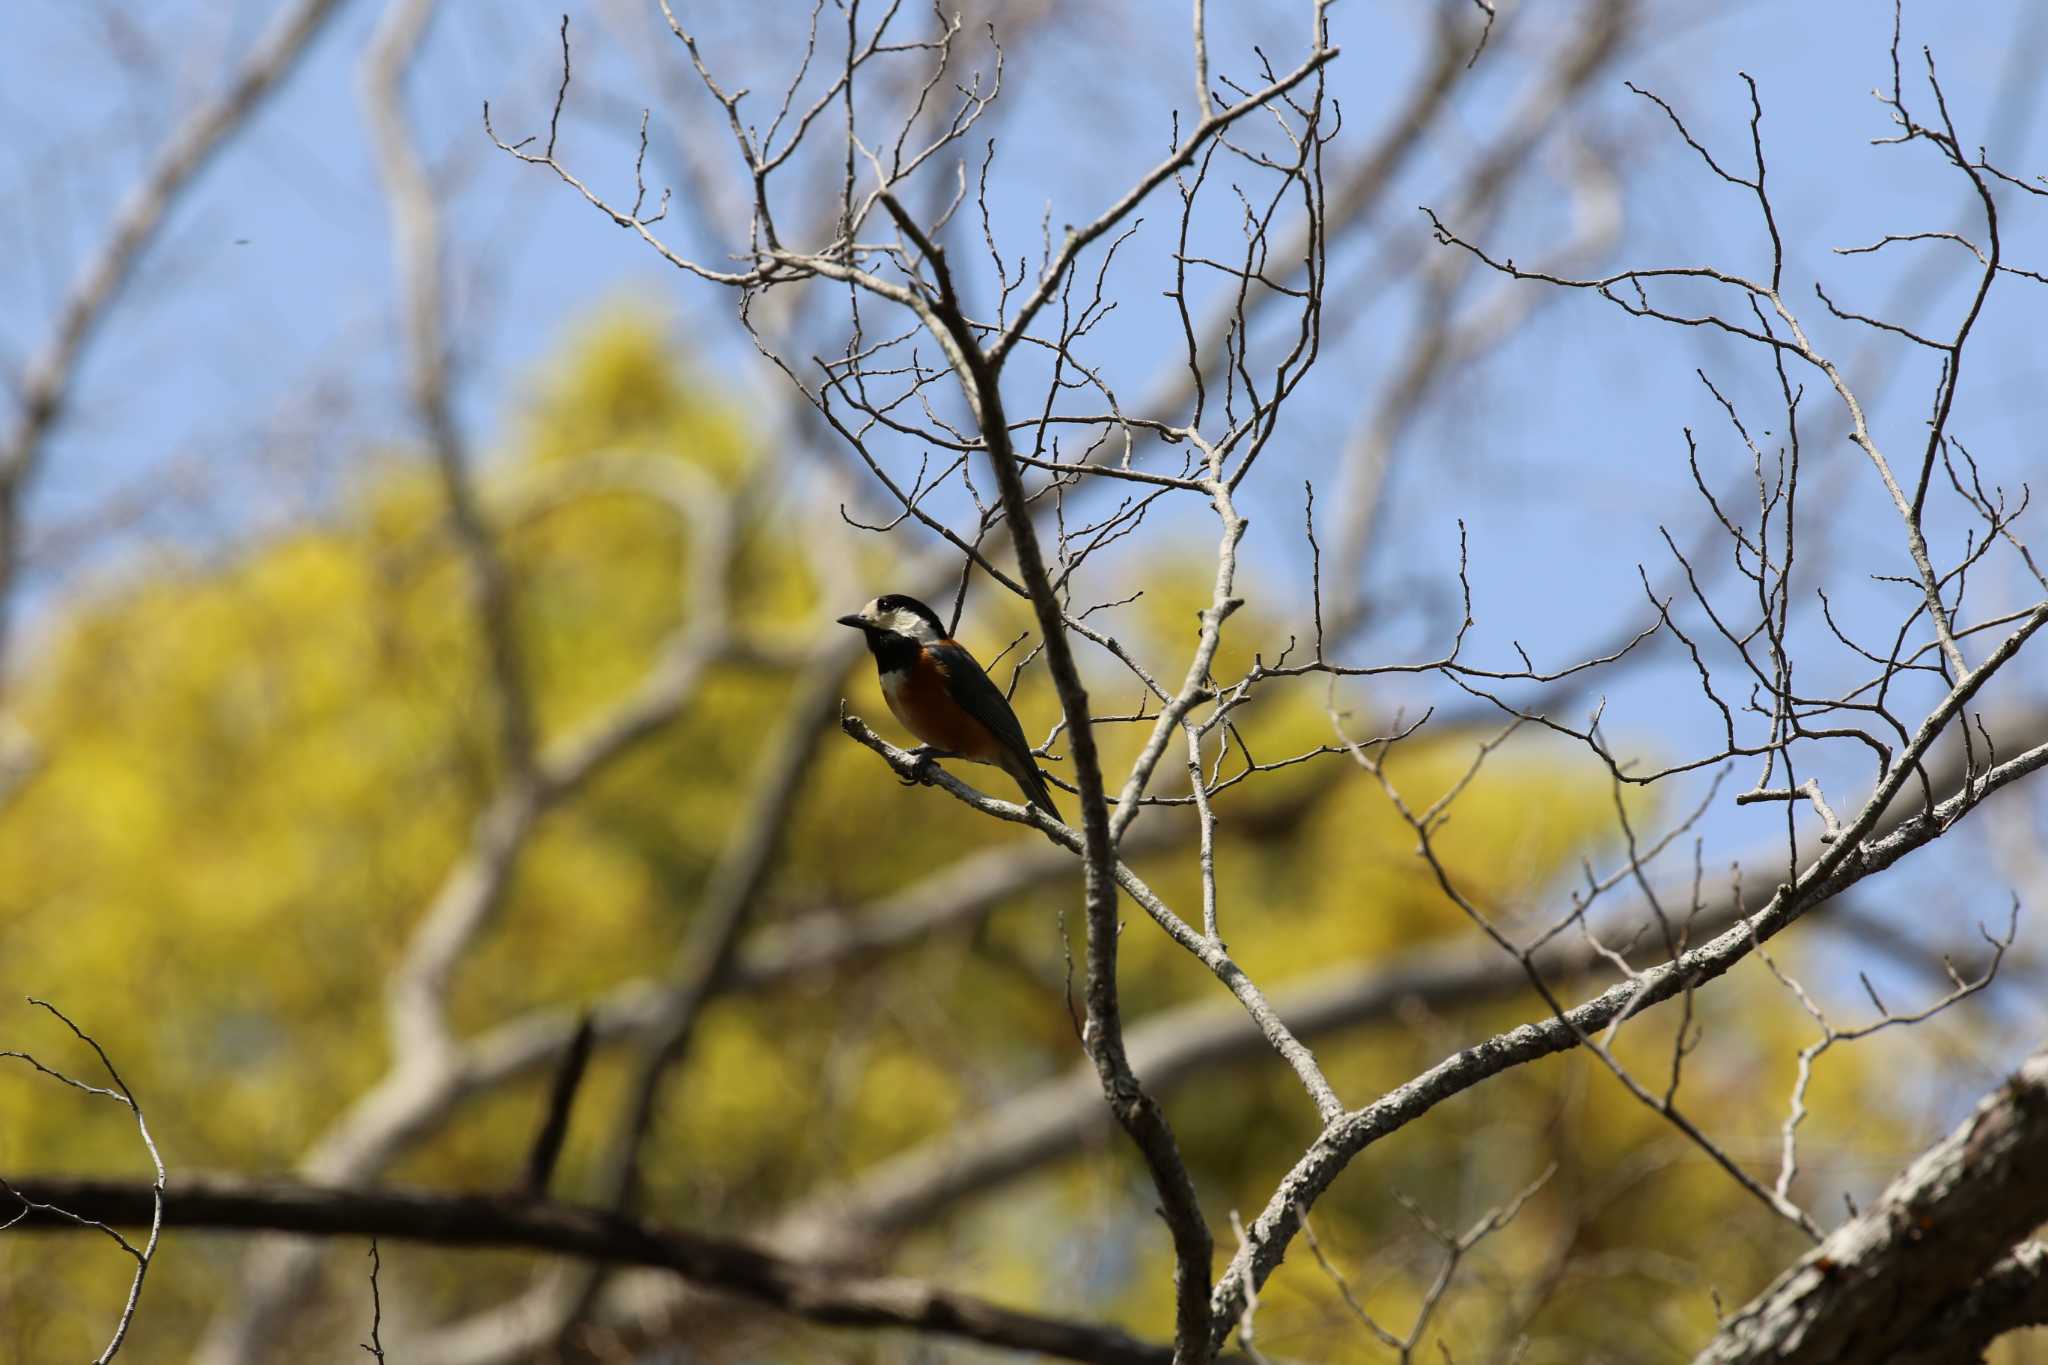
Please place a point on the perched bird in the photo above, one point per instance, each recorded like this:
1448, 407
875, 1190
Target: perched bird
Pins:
941, 695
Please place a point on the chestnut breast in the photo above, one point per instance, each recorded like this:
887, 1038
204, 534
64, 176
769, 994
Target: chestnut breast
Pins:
922, 701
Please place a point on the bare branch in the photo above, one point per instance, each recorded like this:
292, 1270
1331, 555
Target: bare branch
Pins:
416, 241
375, 1345
59, 1212
817, 1293
46, 384
1861, 853
1886, 1282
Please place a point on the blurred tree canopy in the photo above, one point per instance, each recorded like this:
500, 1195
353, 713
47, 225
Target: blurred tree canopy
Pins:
262, 763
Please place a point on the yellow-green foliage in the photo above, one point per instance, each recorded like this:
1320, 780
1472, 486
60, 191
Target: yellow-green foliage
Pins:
258, 772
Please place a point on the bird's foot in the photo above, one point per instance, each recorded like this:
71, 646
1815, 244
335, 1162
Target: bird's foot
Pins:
924, 760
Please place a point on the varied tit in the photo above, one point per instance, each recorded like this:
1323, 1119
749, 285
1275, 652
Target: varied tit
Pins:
941, 695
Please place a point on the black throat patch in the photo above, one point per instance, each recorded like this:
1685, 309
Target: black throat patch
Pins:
893, 653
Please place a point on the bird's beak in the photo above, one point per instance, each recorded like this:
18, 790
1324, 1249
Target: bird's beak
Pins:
853, 621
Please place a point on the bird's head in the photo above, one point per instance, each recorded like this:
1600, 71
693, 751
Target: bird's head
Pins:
895, 614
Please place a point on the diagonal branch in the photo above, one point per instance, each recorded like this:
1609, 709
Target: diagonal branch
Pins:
1860, 853
1172, 1048
431, 1068
46, 385
1078, 239
1882, 1286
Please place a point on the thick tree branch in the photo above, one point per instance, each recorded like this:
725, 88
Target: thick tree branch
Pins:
818, 1293
431, 1067
1890, 1285
2011, 1295
1861, 853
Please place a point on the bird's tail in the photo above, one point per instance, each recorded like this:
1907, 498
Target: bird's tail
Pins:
1027, 777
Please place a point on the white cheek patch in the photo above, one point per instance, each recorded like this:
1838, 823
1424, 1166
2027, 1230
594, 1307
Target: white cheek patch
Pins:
906, 622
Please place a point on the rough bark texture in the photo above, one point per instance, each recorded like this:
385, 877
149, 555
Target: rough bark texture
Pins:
1908, 1279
